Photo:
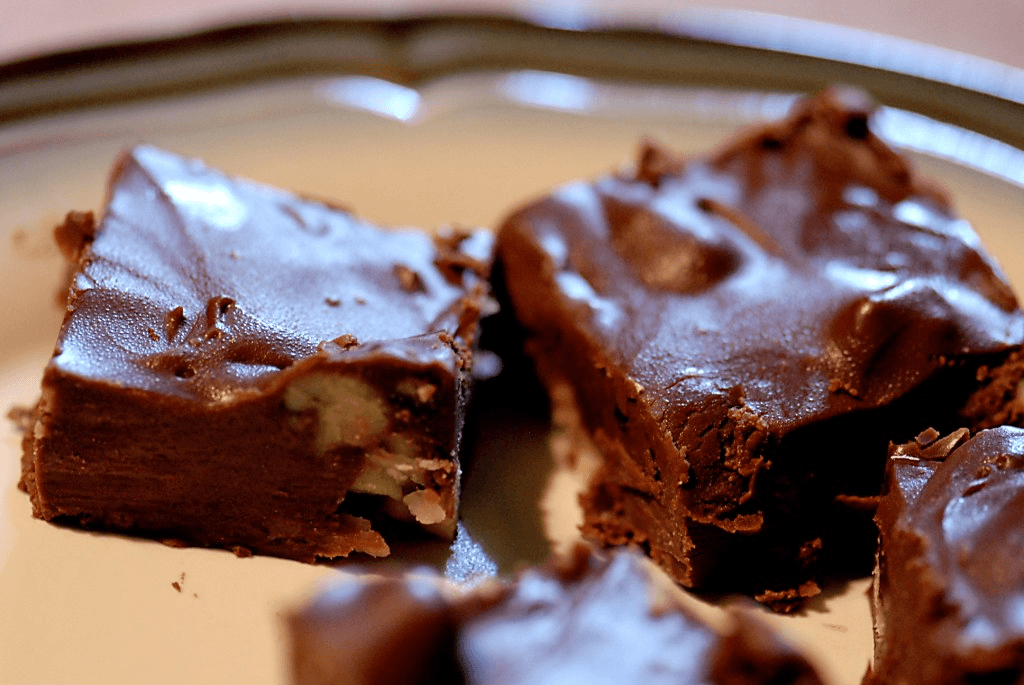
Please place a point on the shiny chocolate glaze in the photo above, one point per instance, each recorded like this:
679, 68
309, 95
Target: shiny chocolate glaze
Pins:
205, 287
949, 586
244, 368
745, 332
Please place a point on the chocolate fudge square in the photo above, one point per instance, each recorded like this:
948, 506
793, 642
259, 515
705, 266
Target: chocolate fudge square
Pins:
949, 583
242, 368
596, 619
740, 336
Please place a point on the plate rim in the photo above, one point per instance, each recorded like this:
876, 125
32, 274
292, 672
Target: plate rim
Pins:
729, 49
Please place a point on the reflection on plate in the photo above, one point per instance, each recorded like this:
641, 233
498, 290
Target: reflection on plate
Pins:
463, 146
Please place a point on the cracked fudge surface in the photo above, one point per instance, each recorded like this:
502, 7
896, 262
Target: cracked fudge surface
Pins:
614, 619
740, 336
949, 584
242, 368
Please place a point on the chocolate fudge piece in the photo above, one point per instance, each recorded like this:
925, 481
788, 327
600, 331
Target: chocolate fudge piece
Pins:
949, 582
615, 619
740, 336
243, 368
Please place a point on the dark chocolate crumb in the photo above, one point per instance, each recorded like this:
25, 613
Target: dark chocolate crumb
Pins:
216, 309
451, 262
927, 437
75, 234
790, 600
656, 162
346, 341
21, 417
410, 281
173, 322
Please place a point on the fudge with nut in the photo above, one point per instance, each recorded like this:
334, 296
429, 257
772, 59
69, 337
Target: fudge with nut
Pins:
243, 368
949, 582
614, 618
739, 336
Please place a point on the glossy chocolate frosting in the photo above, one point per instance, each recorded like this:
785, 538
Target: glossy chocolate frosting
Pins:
805, 260
243, 368
206, 287
949, 587
723, 319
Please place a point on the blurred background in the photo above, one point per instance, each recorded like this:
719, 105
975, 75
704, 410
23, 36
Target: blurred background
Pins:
993, 29
79, 608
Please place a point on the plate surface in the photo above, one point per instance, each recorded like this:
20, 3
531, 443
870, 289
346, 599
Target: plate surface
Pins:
456, 144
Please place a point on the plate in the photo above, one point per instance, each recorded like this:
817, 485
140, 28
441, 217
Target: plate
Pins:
416, 122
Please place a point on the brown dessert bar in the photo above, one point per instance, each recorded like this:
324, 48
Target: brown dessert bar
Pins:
949, 583
242, 368
741, 335
587, 619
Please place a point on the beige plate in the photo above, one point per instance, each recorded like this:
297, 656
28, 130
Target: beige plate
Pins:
457, 143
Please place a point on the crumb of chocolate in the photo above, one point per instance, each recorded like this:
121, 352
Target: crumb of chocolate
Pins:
410, 281
21, 417
75, 234
346, 341
173, 322
836, 627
